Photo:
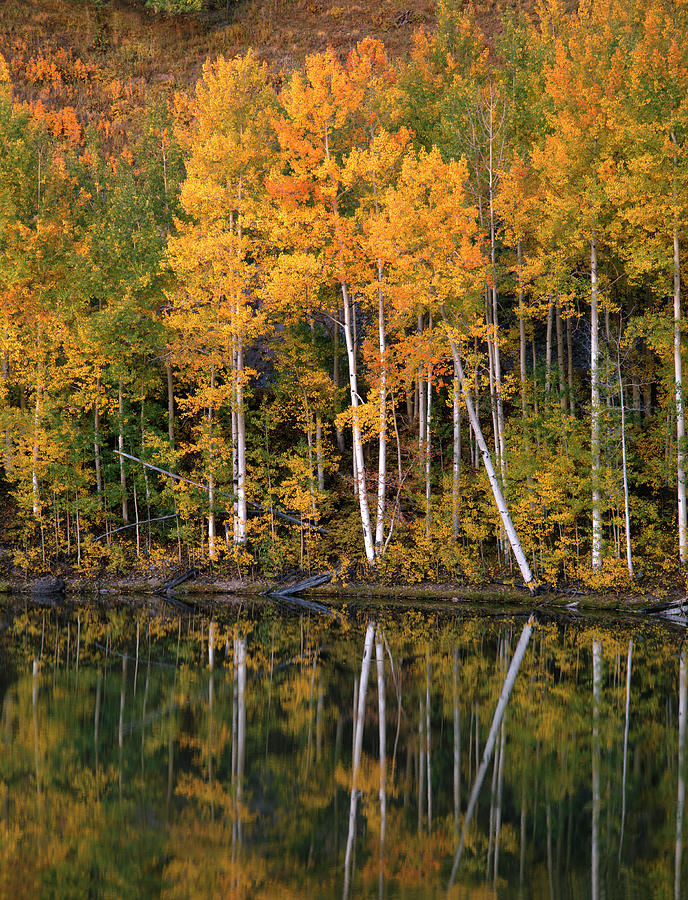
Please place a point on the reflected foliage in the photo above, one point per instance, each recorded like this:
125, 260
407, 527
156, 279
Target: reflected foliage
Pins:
132, 768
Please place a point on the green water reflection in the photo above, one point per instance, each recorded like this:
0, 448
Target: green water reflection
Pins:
335, 756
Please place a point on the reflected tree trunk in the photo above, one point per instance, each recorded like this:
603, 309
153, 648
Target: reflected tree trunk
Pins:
96, 725
629, 664
516, 661
498, 812
428, 732
550, 868
238, 757
596, 691
358, 745
122, 697
170, 775
381, 705
34, 701
211, 698
522, 857
457, 742
421, 765
681, 792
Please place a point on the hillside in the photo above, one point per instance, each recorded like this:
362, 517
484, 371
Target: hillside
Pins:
124, 41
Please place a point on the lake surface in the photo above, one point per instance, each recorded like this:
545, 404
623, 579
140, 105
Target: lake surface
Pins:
336, 756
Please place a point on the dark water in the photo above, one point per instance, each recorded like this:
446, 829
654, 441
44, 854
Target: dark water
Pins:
162, 777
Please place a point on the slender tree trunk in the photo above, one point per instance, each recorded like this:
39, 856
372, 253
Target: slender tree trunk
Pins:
487, 462
548, 351
170, 402
241, 446
522, 331
420, 405
680, 415
495, 312
235, 455
491, 375
560, 358
212, 549
382, 419
120, 442
456, 467
335, 380
309, 441
319, 452
627, 516
569, 350
356, 432
96, 439
8, 430
595, 410
428, 452
36, 429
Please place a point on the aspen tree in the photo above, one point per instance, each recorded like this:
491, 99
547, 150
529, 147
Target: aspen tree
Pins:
214, 255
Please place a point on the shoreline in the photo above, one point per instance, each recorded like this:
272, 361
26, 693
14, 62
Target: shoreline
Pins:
209, 588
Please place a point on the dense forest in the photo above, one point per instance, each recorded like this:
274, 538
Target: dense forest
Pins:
418, 314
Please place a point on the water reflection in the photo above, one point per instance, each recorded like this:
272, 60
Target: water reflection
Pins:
151, 755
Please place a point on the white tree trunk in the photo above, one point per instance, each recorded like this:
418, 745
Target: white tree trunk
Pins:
120, 442
241, 446
235, 455
548, 352
523, 564
521, 330
495, 311
569, 351
680, 414
335, 381
170, 402
212, 548
428, 452
456, 466
595, 410
96, 439
560, 358
8, 431
356, 433
627, 515
382, 427
319, 452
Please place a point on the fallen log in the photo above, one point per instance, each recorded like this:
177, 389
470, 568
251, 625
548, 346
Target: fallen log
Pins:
673, 608
180, 579
306, 584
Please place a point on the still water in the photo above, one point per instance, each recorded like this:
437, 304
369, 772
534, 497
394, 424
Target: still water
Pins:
347, 755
